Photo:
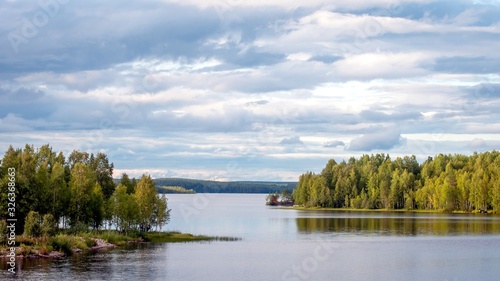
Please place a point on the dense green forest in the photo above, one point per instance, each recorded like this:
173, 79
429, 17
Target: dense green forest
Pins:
445, 182
51, 190
205, 186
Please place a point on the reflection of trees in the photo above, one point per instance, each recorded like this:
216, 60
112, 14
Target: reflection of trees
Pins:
400, 225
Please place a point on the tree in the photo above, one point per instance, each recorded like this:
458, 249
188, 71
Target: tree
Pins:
104, 173
32, 225
96, 206
127, 183
286, 197
125, 209
49, 225
161, 213
12, 160
81, 184
77, 157
40, 191
495, 195
59, 192
27, 196
145, 195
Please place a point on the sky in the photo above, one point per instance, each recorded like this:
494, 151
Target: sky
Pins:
249, 90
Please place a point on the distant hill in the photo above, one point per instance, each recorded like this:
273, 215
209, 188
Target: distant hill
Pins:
205, 186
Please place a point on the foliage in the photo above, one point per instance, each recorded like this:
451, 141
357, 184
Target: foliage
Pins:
124, 208
445, 182
49, 225
3, 231
146, 198
79, 190
62, 243
32, 226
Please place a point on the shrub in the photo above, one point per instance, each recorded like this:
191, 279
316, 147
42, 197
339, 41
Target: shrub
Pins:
23, 250
114, 238
48, 225
32, 224
89, 242
45, 250
61, 243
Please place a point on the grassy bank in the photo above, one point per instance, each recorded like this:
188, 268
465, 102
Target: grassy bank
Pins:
67, 244
174, 236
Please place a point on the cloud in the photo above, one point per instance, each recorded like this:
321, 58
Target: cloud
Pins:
478, 144
382, 140
187, 86
333, 143
380, 116
292, 141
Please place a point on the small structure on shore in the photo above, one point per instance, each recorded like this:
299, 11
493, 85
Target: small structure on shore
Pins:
277, 199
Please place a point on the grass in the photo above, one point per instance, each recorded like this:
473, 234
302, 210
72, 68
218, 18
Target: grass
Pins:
69, 243
175, 236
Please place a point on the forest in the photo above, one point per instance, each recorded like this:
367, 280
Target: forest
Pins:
206, 186
78, 192
443, 183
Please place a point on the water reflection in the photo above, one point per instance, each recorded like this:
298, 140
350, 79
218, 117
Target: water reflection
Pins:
403, 224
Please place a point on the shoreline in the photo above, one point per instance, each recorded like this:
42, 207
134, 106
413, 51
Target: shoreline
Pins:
301, 208
35, 251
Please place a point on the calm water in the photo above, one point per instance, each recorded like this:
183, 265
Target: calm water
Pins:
281, 244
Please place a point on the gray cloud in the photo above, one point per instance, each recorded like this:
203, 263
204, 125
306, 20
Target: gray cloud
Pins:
333, 143
384, 140
292, 141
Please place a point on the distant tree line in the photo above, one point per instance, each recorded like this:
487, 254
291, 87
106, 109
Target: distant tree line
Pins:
78, 191
206, 186
445, 182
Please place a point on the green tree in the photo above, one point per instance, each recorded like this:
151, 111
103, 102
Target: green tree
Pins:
81, 185
96, 206
41, 190
78, 157
59, 192
145, 195
11, 159
104, 173
125, 209
32, 225
49, 225
127, 183
161, 213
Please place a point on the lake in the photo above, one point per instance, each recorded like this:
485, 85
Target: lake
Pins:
286, 244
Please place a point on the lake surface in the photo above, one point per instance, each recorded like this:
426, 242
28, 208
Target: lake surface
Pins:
285, 244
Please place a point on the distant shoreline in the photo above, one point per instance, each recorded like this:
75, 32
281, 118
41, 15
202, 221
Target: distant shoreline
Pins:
301, 208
